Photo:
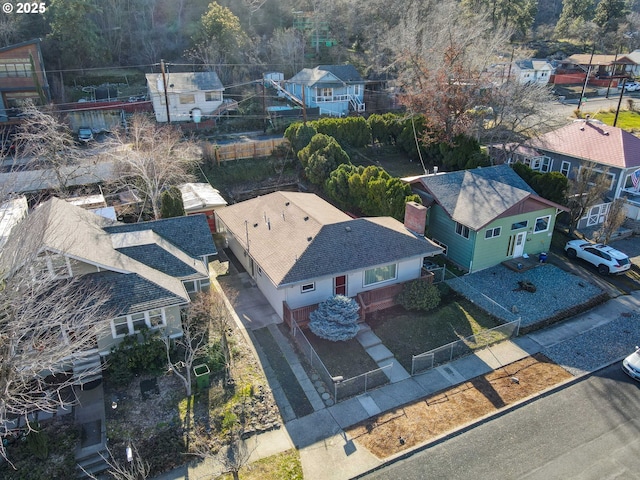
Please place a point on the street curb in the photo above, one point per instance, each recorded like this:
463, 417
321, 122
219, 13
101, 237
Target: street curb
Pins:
485, 419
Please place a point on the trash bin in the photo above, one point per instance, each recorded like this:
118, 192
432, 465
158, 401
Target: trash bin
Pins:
543, 257
202, 376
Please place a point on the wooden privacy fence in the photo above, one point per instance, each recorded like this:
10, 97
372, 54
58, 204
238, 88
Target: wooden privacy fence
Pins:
241, 150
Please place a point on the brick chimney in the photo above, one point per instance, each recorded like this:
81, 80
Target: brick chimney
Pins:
415, 217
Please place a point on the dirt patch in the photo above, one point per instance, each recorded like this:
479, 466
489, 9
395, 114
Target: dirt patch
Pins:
413, 424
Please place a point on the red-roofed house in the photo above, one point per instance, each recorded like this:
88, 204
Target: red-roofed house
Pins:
570, 148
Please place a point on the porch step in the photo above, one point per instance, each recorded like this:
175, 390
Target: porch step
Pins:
379, 353
367, 338
87, 369
93, 464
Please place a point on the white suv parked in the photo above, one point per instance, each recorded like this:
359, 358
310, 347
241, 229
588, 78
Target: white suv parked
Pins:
605, 258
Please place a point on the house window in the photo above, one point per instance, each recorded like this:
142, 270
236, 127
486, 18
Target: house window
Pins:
156, 318
190, 286
493, 232
380, 274
325, 92
187, 98
462, 230
538, 164
519, 225
542, 224
565, 168
308, 287
213, 96
594, 172
356, 90
120, 327
131, 324
138, 322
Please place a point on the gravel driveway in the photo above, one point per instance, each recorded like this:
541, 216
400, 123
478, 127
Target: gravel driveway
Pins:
496, 289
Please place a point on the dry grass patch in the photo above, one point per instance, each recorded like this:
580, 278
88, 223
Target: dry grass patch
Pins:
413, 424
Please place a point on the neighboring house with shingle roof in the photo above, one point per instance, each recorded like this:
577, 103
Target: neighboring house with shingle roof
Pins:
191, 95
147, 269
300, 249
335, 89
532, 71
584, 143
485, 216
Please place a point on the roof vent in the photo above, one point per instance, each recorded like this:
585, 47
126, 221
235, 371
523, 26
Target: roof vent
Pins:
306, 218
348, 229
606, 133
286, 204
255, 225
309, 239
582, 129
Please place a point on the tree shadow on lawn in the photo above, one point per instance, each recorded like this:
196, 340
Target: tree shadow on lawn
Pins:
407, 333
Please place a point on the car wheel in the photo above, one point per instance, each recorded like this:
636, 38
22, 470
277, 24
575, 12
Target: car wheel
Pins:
571, 253
603, 269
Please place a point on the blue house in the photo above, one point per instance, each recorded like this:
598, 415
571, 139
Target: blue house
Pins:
335, 89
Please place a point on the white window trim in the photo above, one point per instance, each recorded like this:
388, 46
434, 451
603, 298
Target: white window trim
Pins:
308, 287
493, 233
441, 244
526, 224
461, 227
568, 169
597, 170
364, 275
535, 224
129, 323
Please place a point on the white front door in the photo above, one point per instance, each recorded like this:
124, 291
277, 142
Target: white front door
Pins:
518, 244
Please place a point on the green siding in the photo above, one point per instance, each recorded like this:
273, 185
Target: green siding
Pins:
476, 252
443, 229
492, 251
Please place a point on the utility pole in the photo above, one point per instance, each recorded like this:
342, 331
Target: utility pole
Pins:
586, 80
166, 95
624, 82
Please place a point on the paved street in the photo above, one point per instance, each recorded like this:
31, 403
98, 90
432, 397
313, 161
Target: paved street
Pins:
588, 430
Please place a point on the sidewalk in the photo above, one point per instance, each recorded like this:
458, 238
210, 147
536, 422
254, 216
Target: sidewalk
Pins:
320, 436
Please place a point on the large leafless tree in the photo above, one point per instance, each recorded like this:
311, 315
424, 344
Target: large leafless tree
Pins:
587, 188
151, 158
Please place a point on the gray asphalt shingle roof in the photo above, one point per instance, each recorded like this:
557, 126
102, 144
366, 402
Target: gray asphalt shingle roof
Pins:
476, 197
130, 293
324, 75
190, 234
158, 258
298, 236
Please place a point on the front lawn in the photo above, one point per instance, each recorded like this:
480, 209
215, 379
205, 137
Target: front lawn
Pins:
347, 359
408, 333
627, 119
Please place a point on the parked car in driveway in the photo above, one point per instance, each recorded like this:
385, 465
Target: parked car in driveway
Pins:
631, 364
605, 258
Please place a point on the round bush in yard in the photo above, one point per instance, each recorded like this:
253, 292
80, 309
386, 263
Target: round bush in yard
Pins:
419, 295
336, 319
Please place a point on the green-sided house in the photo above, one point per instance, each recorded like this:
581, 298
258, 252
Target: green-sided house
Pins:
485, 216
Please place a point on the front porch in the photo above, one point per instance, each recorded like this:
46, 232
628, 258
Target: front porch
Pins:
369, 301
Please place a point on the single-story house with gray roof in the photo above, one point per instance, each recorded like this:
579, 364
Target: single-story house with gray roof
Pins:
301, 250
485, 216
149, 269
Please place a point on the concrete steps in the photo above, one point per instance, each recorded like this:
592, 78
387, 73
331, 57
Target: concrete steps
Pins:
92, 464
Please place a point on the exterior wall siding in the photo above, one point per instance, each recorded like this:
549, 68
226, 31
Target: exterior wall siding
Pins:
442, 228
492, 251
182, 112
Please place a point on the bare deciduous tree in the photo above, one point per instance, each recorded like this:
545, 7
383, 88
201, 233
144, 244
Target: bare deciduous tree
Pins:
45, 327
45, 141
587, 187
151, 158
614, 220
231, 457
135, 469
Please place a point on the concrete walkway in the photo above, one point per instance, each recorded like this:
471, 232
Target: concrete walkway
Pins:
325, 450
